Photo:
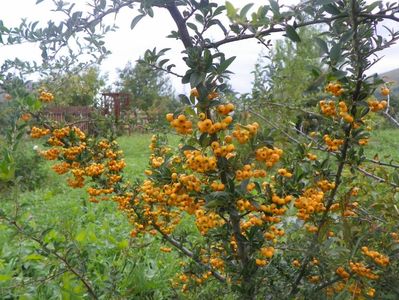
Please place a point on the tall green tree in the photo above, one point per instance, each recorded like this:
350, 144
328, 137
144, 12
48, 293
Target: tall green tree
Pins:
286, 73
76, 88
149, 88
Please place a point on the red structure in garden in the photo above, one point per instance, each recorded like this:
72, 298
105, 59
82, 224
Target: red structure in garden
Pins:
114, 104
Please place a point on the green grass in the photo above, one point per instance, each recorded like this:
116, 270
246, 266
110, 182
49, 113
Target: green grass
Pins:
136, 151
384, 144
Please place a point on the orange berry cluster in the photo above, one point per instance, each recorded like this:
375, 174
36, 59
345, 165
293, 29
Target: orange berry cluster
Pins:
198, 162
328, 108
269, 156
341, 272
77, 181
97, 192
395, 236
217, 186
284, 173
46, 96
325, 185
156, 162
223, 151
61, 168
375, 105
104, 167
267, 252
37, 133
116, 165
207, 126
335, 89
311, 201
206, 220
344, 112
94, 170
244, 133
361, 270
26, 117
71, 153
332, 144
165, 249
355, 289
384, 91
311, 156
378, 258
191, 182
246, 172
314, 278
296, 263
281, 200
180, 124
225, 109
51, 154
213, 95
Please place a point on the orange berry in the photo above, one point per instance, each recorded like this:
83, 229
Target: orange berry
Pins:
169, 117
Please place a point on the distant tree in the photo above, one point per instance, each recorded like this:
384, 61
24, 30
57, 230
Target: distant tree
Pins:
286, 73
149, 88
144, 84
76, 88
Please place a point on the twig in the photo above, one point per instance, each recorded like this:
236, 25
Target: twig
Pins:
379, 179
381, 163
390, 118
275, 126
162, 69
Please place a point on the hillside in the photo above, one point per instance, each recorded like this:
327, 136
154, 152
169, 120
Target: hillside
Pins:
392, 76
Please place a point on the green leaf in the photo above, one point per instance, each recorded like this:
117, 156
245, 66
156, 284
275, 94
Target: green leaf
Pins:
373, 5
322, 45
192, 26
188, 147
186, 77
231, 11
123, 244
81, 236
150, 12
331, 9
225, 64
135, 20
5, 277
274, 6
219, 10
34, 256
245, 10
324, 2
338, 74
195, 79
291, 34
335, 53
184, 99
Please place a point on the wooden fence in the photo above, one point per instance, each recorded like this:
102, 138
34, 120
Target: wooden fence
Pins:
82, 117
79, 116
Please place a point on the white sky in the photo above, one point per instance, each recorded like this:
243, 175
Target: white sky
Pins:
128, 45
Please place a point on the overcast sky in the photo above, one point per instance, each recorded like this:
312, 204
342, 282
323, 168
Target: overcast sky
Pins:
128, 45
